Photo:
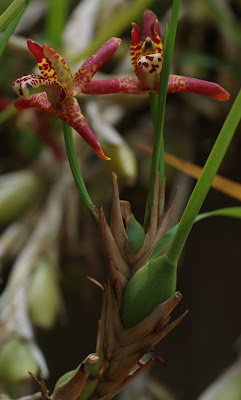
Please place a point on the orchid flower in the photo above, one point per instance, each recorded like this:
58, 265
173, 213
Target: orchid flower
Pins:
60, 86
146, 53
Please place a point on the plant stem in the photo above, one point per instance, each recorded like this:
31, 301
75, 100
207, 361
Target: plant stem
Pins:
158, 107
74, 165
204, 182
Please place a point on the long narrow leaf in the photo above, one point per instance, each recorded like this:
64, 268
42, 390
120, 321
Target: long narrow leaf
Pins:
233, 212
204, 182
11, 27
10, 13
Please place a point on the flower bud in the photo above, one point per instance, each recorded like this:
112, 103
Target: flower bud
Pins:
16, 359
135, 234
43, 295
92, 365
151, 285
17, 190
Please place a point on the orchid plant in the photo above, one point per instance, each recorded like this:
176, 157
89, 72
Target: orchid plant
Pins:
141, 260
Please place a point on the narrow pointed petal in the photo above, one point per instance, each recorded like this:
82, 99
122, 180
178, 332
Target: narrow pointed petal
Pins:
191, 85
94, 63
46, 69
69, 111
39, 100
136, 43
114, 85
20, 86
149, 24
61, 69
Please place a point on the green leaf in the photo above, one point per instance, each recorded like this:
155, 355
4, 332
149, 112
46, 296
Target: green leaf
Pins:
11, 27
10, 13
205, 180
233, 212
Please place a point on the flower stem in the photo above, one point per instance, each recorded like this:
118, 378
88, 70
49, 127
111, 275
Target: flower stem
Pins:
74, 165
204, 182
158, 107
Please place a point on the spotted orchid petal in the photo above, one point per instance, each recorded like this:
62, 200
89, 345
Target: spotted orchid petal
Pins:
61, 68
146, 51
150, 27
135, 45
87, 70
52, 66
69, 111
178, 83
114, 85
20, 86
38, 100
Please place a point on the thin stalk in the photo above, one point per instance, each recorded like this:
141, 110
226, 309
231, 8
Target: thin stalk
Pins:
158, 107
11, 27
204, 182
74, 165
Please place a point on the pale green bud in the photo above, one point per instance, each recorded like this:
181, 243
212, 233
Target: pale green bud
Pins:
16, 359
17, 191
43, 295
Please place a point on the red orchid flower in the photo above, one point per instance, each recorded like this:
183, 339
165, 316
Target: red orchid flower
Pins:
60, 86
146, 53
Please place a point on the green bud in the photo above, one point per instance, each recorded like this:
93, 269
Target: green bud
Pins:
43, 295
92, 365
135, 234
16, 360
17, 190
66, 376
150, 286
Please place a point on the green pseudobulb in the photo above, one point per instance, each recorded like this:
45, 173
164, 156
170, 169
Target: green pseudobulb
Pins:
150, 286
92, 365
